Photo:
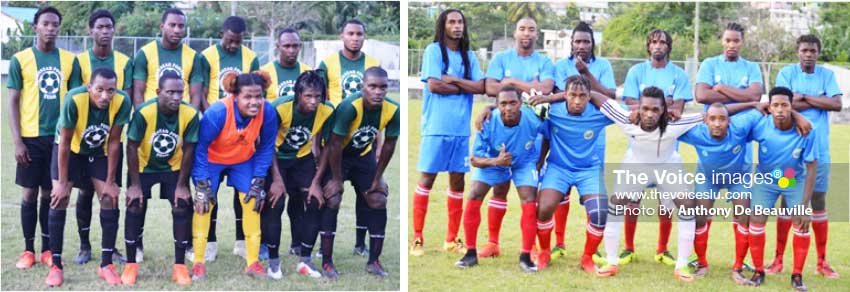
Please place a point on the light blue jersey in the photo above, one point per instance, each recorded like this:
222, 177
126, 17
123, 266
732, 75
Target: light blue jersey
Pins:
671, 79
572, 139
820, 83
727, 155
519, 140
509, 64
599, 67
446, 115
780, 149
739, 74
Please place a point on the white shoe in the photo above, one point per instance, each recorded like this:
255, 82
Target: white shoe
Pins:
140, 255
275, 275
212, 251
190, 254
307, 270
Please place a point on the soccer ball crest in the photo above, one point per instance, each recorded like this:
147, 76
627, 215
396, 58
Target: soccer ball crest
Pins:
163, 143
297, 136
95, 135
351, 82
221, 76
364, 136
286, 88
169, 67
49, 80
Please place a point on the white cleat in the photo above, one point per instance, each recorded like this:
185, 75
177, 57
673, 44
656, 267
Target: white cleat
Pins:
308, 270
212, 251
275, 275
239, 248
140, 255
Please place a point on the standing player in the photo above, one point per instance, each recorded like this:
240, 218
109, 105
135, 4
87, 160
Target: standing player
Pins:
236, 136
38, 79
286, 69
90, 116
451, 75
815, 94
168, 54
160, 148
505, 149
783, 153
304, 119
358, 121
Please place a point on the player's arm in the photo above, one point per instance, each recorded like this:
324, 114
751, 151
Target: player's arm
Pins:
196, 83
277, 189
333, 161
383, 160
735, 108
465, 85
134, 191
190, 138
138, 92
822, 102
265, 151
544, 151
140, 77
112, 159
205, 70
706, 95
594, 83
545, 86
811, 175
802, 123
492, 87
504, 159
63, 191
21, 152
751, 93
442, 87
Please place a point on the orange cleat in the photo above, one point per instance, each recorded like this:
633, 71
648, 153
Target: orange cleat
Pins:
181, 275
26, 260
256, 270
607, 271
683, 275
131, 271
109, 274
46, 258
489, 250
535, 253
199, 271
587, 265
775, 267
54, 277
827, 271
543, 259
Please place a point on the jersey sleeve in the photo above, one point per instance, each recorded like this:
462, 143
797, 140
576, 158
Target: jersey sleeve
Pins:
683, 89
140, 66
476, 73
754, 73
481, 144
394, 126
68, 113
783, 79
706, 72
197, 76
123, 115
136, 130
496, 70
128, 73
694, 135
547, 72
830, 85
15, 80
631, 88
810, 152
210, 126
687, 122
432, 64
268, 134
606, 76
190, 134
255, 64
76, 75
344, 115
743, 122
615, 113
323, 72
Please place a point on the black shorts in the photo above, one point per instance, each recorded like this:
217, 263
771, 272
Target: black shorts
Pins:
359, 170
83, 168
167, 183
37, 174
297, 174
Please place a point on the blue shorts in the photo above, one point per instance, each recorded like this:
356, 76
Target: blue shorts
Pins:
712, 191
766, 195
523, 175
587, 182
238, 175
443, 153
822, 181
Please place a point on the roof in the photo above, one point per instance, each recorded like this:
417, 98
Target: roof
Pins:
20, 13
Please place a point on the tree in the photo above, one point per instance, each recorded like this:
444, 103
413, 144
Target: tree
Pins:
536, 10
835, 36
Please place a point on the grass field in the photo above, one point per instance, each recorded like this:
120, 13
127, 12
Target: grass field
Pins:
225, 273
436, 272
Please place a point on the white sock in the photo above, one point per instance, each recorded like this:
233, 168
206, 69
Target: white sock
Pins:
611, 237
686, 242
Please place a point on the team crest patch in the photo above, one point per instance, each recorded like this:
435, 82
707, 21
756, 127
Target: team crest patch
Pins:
704, 153
796, 152
222, 73
763, 149
529, 145
351, 82
297, 136
286, 88
508, 73
49, 80
95, 135
363, 137
170, 67
737, 149
163, 143
588, 134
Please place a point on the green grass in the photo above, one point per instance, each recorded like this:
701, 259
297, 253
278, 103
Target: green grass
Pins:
225, 273
436, 272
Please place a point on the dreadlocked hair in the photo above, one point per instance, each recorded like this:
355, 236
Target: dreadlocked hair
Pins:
439, 38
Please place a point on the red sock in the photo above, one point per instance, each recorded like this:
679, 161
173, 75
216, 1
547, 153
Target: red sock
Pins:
496, 209
544, 234
665, 226
741, 244
593, 238
701, 243
561, 213
783, 225
454, 203
528, 224
757, 245
820, 225
471, 221
631, 226
420, 208
801, 249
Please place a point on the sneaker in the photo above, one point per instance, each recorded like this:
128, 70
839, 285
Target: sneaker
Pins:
307, 269
526, 264
83, 257
117, 257
627, 256
587, 265
684, 275
416, 249
180, 275
212, 251
827, 271
665, 258
454, 246
199, 272
238, 248
558, 251
775, 267
329, 271
54, 277
489, 250
748, 267
797, 283
361, 251
46, 258
607, 271
295, 250
599, 260
543, 259
256, 270
469, 260
700, 271
25, 260
376, 269
740, 279
131, 272
264, 252
109, 274
140, 254
277, 275
758, 278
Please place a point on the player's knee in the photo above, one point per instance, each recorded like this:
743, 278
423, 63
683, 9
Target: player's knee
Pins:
333, 202
376, 201
427, 179
819, 201
30, 195
456, 182
62, 204
597, 211
106, 202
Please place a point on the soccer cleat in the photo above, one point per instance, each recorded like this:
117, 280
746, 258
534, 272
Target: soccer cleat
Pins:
748, 267
46, 258
535, 253
700, 271
307, 269
526, 264
109, 274
607, 271
212, 251
599, 260
587, 265
543, 259
797, 283
758, 278
26, 260
131, 272
489, 250
684, 274
827, 271
329, 271
277, 275
627, 256
665, 258
238, 248
558, 251
256, 270
740, 279
416, 249
199, 272
454, 246
140, 255
83, 257
361, 251
376, 269
469, 260
180, 275
775, 267
54, 277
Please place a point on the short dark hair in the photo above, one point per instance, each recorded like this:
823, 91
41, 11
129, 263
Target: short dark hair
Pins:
719, 105
780, 90
734, 27
46, 9
808, 38
234, 24
667, 38
104, 72
375, 71
652, 91
352, 21
577, 79
310, 79
288, 30
166, 75
174, 11
508, 88
98, 14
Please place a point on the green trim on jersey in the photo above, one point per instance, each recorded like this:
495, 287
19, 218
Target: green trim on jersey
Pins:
161, 137
91, 125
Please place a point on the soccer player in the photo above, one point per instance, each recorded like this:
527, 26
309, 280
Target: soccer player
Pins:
237, 136
304, 118
101, 55
160, 146
358, 121
168, 54
658, 71
38, 79
88, 138
286, 69
505, 150
794, 157
652, 144
228, 56
816, 93
451, 75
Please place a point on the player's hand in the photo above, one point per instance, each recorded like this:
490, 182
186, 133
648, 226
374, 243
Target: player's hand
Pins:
634, 117
803, 126
798, 97
315, 193
182, 193
581, 66
483, 117
762, 107
22, 154
674, 114
60, 193
276, 191
379, 186
332, 188
448, 78
257, 192
203, 196
804, 223
505, 158
112, 190
538, 99
134, 193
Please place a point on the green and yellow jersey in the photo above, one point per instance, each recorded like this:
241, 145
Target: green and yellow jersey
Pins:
360, 127
283, 79
161, 137
343, 76
91, 125
117, 61
153, 60
296, 133
217, 62
43, 78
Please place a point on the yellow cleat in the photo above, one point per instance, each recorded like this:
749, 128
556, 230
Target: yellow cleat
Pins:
665, 258
417, 249
627, 257
454, 246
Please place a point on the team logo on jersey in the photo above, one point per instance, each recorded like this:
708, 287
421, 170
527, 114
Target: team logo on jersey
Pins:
737, 149
743, 82
717, 78
49, 80
704, 153
221, 73
351, 82
588, 134
529, 145
763, 149
297, 136
95, 135
364, 136
796, 152
507, 72
164, 142
166, 67
286, 88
